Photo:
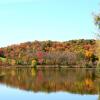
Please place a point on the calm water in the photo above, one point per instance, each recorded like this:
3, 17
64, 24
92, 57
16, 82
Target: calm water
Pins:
49, 84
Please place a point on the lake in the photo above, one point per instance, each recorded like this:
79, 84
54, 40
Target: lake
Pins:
49, 83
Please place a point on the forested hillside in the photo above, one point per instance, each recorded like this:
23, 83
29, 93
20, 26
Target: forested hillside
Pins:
74, 52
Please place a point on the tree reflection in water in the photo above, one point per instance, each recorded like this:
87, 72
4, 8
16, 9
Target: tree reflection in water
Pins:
46, 79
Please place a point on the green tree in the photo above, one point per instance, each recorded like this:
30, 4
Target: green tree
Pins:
97, 22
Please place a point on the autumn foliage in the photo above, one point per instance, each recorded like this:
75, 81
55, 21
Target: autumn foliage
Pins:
73, 52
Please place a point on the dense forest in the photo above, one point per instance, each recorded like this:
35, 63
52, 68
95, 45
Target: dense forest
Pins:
77, 53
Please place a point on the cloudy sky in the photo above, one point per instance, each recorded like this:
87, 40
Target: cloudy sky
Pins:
61, 20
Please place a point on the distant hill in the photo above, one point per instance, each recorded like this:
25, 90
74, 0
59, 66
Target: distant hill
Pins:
49, 52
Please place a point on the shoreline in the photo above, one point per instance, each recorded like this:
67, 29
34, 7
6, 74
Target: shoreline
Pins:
47, 66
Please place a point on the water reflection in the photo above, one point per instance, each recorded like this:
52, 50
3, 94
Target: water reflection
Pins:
47, 80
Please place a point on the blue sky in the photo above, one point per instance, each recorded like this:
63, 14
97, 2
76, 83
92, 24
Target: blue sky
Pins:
61, 20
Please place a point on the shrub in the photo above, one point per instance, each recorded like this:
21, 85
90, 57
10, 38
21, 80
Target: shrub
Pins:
61, 58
